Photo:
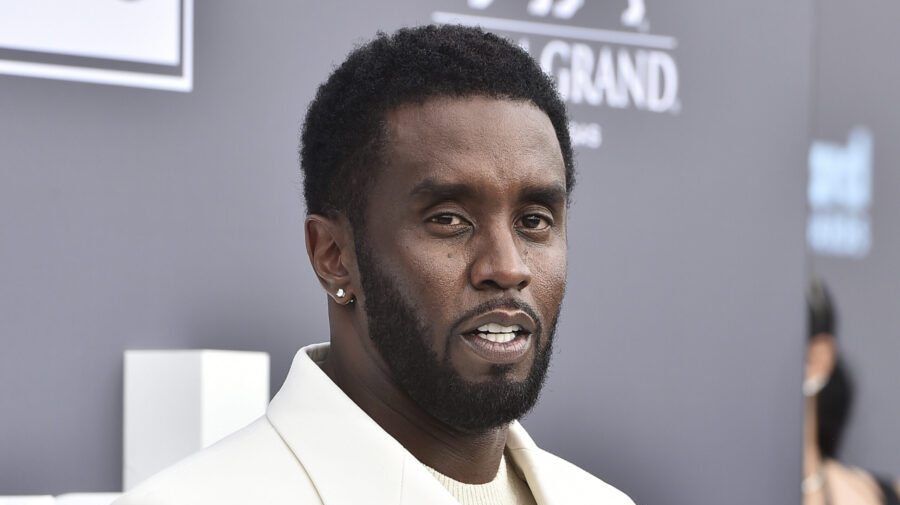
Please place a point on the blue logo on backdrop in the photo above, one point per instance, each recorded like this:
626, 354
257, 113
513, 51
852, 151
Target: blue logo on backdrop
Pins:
840, 196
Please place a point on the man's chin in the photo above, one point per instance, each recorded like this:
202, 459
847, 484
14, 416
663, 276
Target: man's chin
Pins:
466, 395
486, 408
506, 393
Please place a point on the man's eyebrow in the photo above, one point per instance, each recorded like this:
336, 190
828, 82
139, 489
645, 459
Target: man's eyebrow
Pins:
436, 190
554, 195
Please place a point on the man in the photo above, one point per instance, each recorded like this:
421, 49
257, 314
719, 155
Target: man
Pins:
438, 169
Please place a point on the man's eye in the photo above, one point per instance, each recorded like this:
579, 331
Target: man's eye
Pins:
535, 222
446, 220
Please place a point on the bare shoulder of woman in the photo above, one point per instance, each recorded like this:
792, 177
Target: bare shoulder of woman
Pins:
851, 486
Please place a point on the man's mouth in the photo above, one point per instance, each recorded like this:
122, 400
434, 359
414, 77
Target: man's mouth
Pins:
499, 344
499, 336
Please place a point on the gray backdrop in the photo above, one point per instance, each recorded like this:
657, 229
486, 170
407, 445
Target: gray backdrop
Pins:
855, 86
133, 218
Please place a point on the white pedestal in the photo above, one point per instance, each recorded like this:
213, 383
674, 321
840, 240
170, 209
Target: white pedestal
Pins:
63, 499
178, 402
27, 500
87, 498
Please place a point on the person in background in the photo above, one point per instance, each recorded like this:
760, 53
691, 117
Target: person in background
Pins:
828, 392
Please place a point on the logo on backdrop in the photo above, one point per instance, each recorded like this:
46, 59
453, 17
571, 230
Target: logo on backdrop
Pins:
139, 43
840, 196
621, 68
563, 9
634, 15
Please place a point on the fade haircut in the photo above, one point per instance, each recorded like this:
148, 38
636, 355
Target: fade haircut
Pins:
343, 136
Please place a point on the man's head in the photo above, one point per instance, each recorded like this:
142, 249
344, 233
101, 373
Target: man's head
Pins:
438, 170
343, 136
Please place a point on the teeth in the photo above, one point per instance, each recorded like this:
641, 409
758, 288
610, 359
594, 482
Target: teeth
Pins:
501, 338
497, 328
498, 333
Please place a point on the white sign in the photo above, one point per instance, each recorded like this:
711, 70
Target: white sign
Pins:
143, 43
616, 68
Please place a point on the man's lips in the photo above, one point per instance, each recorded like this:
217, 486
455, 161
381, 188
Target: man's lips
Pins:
499, 353
500, 336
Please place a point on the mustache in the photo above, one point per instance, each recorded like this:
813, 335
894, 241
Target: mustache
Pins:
503, 303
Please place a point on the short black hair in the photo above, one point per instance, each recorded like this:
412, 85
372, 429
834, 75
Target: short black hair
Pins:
835, 400
343, 135
821, 314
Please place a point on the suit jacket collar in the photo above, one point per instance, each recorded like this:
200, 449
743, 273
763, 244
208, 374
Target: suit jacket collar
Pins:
526, 457
350, 458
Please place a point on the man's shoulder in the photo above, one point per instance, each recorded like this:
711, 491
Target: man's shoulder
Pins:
253, 465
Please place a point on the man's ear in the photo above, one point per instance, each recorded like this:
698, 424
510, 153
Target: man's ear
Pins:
330, 249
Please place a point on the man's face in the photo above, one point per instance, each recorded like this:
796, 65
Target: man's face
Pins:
463, 256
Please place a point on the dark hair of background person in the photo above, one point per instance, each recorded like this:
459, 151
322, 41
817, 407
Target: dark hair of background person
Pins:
343, 135
834, 401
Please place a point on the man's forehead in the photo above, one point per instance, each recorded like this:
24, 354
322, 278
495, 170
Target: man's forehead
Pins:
461, 115
469, 126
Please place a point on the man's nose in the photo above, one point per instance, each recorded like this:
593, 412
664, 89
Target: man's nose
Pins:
499, 262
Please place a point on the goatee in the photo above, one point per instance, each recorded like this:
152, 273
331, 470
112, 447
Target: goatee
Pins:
433, 384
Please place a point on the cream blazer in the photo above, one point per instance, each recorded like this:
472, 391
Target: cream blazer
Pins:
315, 446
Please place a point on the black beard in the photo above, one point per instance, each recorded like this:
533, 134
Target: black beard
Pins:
433, 384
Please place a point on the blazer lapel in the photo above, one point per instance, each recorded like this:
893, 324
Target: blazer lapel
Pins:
554, 481
525, 456
348, 456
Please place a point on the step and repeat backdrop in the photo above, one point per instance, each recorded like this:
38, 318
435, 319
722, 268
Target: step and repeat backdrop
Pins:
149, 199
126, 42
853, 230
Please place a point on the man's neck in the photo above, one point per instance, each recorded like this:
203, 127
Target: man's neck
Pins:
472, 458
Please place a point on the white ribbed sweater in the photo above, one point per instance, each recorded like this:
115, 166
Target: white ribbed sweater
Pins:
507, 488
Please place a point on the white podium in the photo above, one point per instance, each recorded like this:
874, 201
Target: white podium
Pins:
87, 498
178, 402
27, 500
63, 499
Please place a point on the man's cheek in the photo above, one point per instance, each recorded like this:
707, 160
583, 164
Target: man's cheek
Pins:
438, 267
551, 271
